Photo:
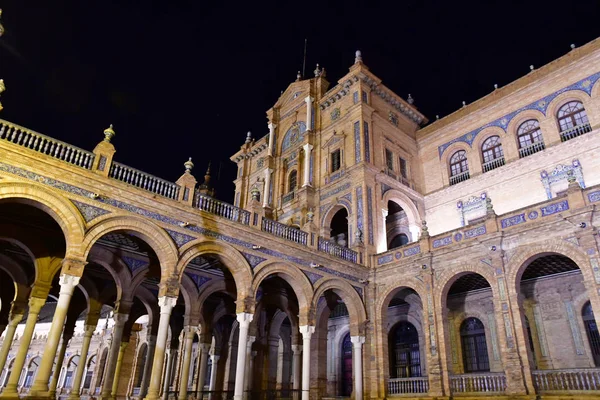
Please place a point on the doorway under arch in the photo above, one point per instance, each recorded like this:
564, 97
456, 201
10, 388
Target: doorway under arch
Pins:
405, 355
346, 389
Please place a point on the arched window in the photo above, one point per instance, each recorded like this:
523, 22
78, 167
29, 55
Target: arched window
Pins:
530, 138
292, 180
459, 167
592, 332
474, 346
405, 356
398, 240
492, 153
572, 120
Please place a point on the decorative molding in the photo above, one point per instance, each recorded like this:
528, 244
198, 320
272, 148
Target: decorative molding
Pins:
514, 220
561, 173
312, 277
179, 238
474, 205
199, 280
442, 242
334, 191
89, 212
252, 259
555, 208
133, 263
370, 213
331, 99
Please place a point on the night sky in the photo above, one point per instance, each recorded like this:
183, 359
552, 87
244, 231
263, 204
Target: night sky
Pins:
190, 78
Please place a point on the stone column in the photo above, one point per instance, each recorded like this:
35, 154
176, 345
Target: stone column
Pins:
297, 353
309, 121
90, 327
117, 375
307, 332
273, 353
214, 359
67, 286
251, 382
148, 365
166, 305
203, 348
307, 150
35, 305
188, 340
171, 358
60, 358
240, 371
113, 354
268, 172
271, 138
358, 341
251, 340
16, 315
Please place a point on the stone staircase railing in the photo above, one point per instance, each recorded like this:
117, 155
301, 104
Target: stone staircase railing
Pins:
566, 380
46, 145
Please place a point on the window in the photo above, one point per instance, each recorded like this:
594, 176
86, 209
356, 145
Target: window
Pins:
405, 356
335, 160
459, 167
474, 346
530, 138
403, 169
389, 159
364, 97
572, 120
592, 332
355, 97
292, 180
492, 153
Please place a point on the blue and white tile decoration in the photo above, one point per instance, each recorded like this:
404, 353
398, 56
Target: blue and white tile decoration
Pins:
370, 213
133, 263
89, 212
555, 208
179, 238
199, 280
514, 220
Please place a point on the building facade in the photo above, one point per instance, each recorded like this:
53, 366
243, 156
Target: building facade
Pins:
367, 254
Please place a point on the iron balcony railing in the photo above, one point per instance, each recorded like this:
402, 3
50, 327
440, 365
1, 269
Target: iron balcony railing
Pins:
575, 131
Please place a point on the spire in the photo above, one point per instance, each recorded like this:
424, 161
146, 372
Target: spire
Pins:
206, 187
317, 71
109, 133
298, 76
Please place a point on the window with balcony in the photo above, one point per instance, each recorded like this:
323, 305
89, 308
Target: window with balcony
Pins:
336, 160
572, 120
492, 153
474, 346
530, 138
459, 167
292, 181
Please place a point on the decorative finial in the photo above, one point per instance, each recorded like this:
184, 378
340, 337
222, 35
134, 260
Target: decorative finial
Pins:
298, 76
317, 71
572, 46
255, 193
531, 67
1, 27
489, 207
410, 99
437, 116
358, 57
109, 133
248, 137
2, 87
310, 215
424, 229
495, 86
188, 165
464, 103
207, 169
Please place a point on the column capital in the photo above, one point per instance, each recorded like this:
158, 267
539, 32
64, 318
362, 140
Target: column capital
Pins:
296, 349
204, 347
268, 171
357, 340
307, 331
215, 358
120, 318
271, 126
36, 303
244, 319
251, 340
166, 304
73, 267
307, 147
309, 99
17, 310
123, 345
68, 283
169, 287
190, 330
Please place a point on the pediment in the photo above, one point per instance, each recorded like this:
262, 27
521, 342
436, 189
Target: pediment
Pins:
334, 139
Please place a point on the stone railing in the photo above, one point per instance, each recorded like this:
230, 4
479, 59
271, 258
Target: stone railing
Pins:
493, 164
562, 380
531, 149
222, 209
45, 145
459, 178
337, 251
286, 198
142, 180
408, 385
284, 231
575, 131
489, 383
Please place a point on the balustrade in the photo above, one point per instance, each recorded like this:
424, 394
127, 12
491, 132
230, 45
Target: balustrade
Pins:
222, 209
284, 231
337, 251
493, 164
575, 131
531, 149
489, 382
288, 197
143, 180
566, 380
459, 178
45, 145
408, 385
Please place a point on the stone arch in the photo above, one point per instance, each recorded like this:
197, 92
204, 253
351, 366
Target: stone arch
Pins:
565, 97
521, 117
146, 297
450, 275
349, 296
412, 212
232, 260
327, 217
491, 344
59, 208
595, 92
472, 159
485, 134
525, 254
152, 234
387, 292
214, 286
292, 275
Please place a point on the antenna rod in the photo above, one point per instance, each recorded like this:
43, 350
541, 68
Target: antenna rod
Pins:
304, 60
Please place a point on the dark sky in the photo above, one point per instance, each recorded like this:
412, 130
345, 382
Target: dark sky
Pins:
189, 78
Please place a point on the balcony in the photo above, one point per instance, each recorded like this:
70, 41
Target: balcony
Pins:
284, 231
288, 197
493, 164
575, 131
397, 386
566, 380
531, 149
459, 178
337, 251
490, 383
222, 209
